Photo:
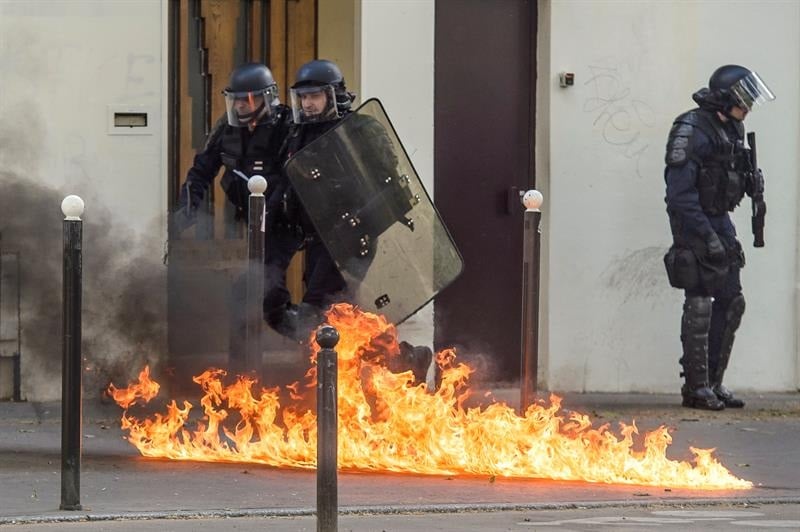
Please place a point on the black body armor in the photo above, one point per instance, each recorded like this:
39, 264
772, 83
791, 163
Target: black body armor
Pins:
256, 155
722, 179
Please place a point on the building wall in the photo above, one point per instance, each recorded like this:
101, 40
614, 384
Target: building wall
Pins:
68, 66
338, 36
396, 66
612, 320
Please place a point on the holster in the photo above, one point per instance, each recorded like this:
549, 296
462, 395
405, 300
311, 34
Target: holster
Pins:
682, 267
688, 267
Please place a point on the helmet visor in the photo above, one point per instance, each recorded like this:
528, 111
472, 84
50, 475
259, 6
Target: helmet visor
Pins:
248, 107
313, 103
751, 91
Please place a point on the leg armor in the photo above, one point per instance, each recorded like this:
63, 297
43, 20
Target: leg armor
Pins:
694, 337
733, 318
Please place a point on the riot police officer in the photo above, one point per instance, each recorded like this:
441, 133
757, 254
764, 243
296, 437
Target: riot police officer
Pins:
319, 100
246, 141
708, 172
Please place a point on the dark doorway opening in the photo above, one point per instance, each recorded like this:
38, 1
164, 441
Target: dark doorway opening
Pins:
485, 57
208, 38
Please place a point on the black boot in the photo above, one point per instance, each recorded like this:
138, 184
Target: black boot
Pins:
296, 321
702, 398
421, 361
727, 397
694, 337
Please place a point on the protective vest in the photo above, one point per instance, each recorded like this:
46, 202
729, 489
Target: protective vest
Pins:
721, 179
259, 153
255, 153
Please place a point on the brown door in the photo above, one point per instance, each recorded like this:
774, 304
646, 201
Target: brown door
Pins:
208, 38
484, 112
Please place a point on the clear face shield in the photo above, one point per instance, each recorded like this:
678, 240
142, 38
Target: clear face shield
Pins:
248, 107
313, 104
751, 91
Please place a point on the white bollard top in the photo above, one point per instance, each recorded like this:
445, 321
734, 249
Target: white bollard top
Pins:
532, 200
257, 185
72, 207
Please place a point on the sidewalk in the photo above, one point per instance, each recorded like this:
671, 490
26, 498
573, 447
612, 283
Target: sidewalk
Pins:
758, 443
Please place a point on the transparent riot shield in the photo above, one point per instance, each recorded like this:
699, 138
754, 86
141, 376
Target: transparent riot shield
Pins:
373, 214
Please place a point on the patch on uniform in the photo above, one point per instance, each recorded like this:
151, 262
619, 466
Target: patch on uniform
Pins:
680, 142
676, 157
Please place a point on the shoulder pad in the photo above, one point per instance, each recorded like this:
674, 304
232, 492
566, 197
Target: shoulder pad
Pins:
216, 131
678, 143
700, 119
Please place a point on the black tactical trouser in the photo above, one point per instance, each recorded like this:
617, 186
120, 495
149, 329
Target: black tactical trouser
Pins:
282, 245
726, 313
324, 282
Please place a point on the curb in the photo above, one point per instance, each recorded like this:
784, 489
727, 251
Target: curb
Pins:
388, 510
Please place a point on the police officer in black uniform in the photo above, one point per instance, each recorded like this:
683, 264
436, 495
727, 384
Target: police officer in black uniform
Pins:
319, 100
708, 172
246, 141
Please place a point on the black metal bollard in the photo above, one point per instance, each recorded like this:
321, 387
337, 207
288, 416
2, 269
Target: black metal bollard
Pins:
532, 200
255, 272
72, 206
327, 426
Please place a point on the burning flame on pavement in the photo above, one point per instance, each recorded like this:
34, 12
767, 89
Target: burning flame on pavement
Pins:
387, 423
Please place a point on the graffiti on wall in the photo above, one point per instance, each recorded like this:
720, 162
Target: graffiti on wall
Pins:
619, 115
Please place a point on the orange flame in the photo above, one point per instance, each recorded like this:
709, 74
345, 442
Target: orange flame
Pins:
145, 390
387, 423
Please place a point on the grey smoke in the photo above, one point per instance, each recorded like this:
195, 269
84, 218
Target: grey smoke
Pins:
123, 293
123, 290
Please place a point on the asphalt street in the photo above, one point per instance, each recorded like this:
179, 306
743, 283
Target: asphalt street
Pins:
120, 490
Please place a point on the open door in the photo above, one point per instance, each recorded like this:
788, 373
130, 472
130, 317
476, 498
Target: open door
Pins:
208, 38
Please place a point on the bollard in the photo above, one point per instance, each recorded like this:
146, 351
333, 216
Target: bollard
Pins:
72, 207
532, 200
255, 273
327, 426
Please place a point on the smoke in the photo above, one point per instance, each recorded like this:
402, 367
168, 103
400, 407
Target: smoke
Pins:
124, 281
123, 290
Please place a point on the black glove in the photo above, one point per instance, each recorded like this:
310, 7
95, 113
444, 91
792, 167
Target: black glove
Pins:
715, 251
183, 219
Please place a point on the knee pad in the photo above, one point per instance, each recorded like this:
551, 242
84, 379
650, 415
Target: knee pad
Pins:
734, 312
696, 315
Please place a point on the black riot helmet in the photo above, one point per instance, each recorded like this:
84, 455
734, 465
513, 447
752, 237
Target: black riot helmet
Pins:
316, 79
736, 85
250, 95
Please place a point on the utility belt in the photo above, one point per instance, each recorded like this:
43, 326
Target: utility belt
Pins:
689, 267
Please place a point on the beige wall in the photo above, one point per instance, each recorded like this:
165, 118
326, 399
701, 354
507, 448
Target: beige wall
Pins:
396, 57
338, 38
68, 66
613, 320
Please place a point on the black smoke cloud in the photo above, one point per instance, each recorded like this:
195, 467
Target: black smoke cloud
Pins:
123, 290
124, 279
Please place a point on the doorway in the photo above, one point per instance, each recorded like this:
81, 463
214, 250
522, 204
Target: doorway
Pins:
485, 79
207, 39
